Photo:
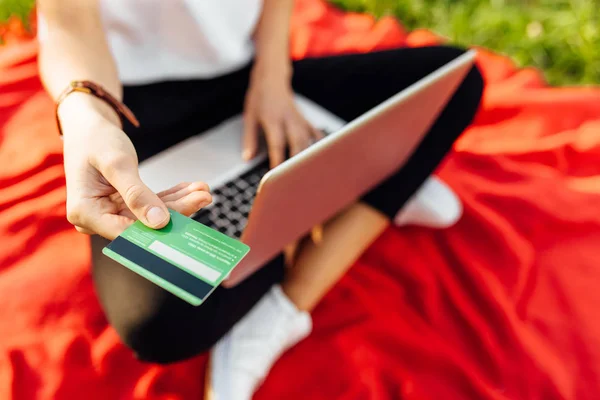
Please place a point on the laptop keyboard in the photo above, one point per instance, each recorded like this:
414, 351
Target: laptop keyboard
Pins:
232, 202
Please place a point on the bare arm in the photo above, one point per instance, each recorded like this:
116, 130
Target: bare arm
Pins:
104, 191
270, 100
272, 38
73, 47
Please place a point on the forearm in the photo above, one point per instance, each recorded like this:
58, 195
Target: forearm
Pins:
73, 47
272, 37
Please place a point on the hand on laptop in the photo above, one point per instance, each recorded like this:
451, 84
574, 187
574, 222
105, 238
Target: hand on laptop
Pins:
104, 191
270, 107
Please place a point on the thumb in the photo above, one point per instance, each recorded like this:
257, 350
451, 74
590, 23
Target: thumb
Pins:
143, 202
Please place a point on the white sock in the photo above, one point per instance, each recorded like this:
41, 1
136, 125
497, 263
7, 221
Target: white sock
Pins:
242, 359
434, 205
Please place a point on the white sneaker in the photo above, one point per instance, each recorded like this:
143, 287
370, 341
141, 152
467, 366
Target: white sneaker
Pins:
241, 360
434, 205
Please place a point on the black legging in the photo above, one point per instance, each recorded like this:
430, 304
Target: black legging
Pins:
160, 327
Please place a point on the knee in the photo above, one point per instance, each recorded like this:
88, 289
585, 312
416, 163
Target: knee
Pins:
163, 337
149, 340
157, 326
467, 97
441, 55
475, 83
474, 79
470, 91
143, 338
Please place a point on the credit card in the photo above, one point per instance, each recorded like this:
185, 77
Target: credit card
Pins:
186, 258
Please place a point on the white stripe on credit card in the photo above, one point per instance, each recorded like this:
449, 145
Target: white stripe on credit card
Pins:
185, 261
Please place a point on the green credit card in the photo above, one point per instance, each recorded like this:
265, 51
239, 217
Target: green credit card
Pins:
185, 257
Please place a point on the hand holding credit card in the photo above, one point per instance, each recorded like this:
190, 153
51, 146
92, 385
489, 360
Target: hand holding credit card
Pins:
186, 258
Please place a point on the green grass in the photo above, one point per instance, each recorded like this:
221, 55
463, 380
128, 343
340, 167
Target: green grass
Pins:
561, 37
19, 8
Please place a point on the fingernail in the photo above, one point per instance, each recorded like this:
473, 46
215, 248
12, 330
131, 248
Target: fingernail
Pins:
156, 215
246, 155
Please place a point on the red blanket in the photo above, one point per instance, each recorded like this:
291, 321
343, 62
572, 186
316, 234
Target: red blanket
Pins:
502, 306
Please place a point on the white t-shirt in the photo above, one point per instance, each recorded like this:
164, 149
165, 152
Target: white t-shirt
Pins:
153, 40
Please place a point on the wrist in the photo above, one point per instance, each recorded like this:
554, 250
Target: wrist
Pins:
272, 68
80, 109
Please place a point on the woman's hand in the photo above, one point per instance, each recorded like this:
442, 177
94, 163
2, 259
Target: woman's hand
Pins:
270, 107
104, 191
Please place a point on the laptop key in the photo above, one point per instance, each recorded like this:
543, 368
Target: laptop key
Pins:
229, 214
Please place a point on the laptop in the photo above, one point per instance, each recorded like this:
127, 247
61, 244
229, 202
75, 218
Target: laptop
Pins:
269, 209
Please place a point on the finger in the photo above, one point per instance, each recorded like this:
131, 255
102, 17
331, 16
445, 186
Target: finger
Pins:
110, 226
317, 134
250, 137
106, 225
298, 136
93, 216
200, 187
191, 203
184, 191
84, 230
174, 189
275, 143
123, 175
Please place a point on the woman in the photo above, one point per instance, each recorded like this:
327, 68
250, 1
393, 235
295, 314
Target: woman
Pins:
184, 66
